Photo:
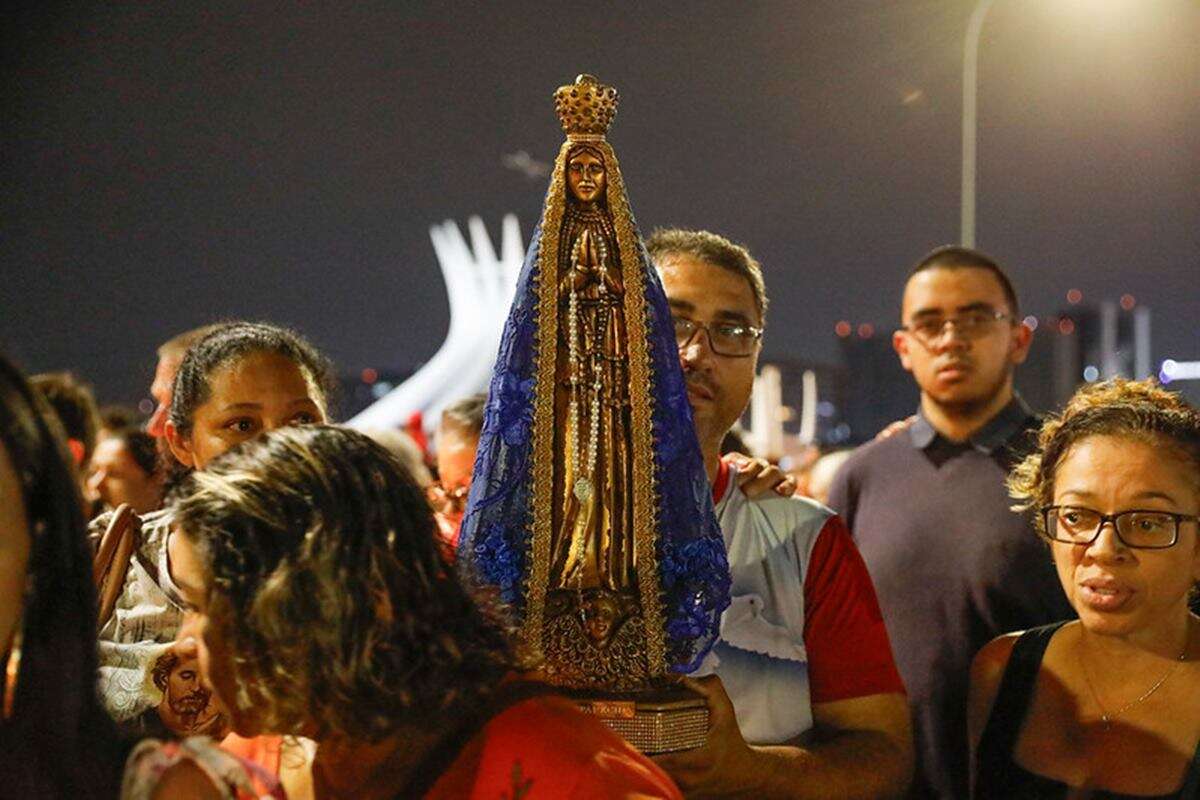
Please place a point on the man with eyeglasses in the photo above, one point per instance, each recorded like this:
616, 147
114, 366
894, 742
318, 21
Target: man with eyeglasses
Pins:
954, 566
806, 700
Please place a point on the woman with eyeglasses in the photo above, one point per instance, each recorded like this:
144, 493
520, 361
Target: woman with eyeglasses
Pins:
1107, 705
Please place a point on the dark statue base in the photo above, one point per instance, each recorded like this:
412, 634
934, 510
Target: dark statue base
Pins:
655, 721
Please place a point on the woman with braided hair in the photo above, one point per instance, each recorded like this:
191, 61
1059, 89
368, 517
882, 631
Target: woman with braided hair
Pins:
239, 380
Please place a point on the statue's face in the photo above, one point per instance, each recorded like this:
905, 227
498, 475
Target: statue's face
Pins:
585, 176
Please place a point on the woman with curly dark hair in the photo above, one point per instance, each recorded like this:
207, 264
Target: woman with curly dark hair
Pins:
55, 740
1107, 705
322, 605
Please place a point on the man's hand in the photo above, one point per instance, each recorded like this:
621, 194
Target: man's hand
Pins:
725, 765
758, 477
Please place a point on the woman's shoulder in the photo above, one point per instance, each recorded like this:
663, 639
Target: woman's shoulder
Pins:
987, 673
992, 659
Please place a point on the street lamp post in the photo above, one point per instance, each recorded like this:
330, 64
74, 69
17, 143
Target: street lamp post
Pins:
970, 91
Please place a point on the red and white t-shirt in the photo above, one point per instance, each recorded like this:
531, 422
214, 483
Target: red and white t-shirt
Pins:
804, 625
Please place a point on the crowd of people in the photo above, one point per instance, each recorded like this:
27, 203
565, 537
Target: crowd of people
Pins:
239, 598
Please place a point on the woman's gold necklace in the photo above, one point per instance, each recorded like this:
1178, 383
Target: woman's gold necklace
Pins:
1107, 718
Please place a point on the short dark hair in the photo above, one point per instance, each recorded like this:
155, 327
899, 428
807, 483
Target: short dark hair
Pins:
713, 249
329, 581
466, 414
956, 257
233, 341
75, 405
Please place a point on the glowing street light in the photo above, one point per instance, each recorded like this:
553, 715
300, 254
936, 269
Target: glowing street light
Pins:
970, 93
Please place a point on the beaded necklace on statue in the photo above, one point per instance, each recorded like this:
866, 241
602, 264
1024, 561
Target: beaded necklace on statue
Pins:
585, 467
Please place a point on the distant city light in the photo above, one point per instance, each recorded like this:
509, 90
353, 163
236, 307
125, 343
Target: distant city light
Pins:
1031, 322
1173, 370
146, 405
1074, 296
843, 328
1128, 301
825, 409
866, 330
369, 375
1066, 326
380, 389
1090, 373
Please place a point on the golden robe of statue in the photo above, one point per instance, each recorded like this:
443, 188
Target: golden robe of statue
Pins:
592, 570
593, 546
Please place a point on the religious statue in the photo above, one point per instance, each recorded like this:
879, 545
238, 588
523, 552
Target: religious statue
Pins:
590, 512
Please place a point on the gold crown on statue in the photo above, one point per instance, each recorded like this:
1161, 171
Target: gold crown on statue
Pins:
585, 107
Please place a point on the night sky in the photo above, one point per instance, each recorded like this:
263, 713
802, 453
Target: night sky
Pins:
166, 166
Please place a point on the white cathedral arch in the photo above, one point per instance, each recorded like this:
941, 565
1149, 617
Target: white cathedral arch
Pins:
480, 285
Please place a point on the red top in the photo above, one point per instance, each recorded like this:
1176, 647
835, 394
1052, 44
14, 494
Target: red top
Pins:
546, 748
722, 481
539, 749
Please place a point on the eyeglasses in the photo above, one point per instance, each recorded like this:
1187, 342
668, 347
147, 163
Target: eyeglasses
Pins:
1143, 530
452, 501
724, 338
970, 325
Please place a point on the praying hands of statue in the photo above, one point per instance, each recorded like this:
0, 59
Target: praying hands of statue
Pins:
590, 263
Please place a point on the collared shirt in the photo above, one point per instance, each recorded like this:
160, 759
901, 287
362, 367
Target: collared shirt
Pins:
954, 567
995, 434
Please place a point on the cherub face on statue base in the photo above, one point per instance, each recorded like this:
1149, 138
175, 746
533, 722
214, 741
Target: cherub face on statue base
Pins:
600, 614
593, 640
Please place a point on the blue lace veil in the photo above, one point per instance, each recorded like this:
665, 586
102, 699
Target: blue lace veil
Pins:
495, 545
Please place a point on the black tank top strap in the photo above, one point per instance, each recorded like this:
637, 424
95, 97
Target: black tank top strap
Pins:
1191, 781
994, 758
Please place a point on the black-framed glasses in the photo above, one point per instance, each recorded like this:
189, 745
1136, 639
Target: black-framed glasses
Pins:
971, 325
1136, 528
731, 339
